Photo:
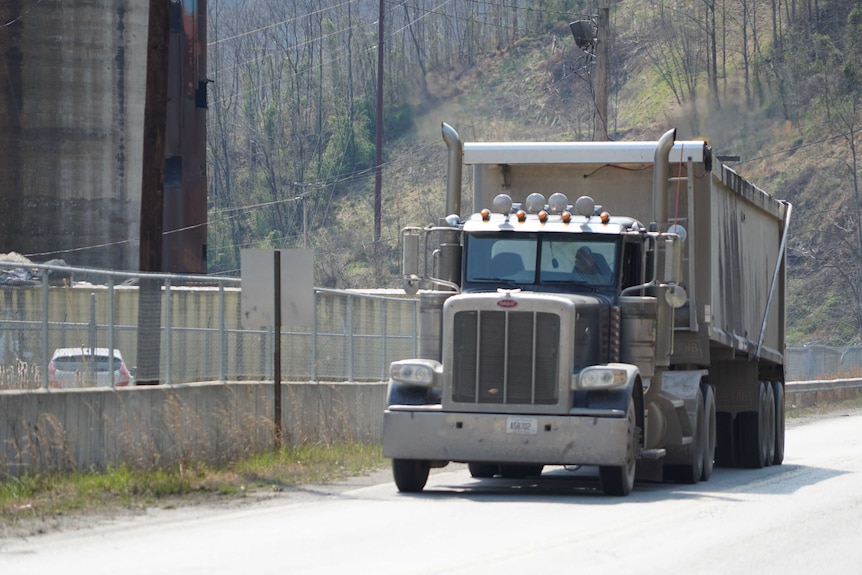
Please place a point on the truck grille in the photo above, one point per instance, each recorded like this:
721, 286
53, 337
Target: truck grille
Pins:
506, 357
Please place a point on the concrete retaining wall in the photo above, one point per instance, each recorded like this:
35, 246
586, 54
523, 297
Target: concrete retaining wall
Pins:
152, 426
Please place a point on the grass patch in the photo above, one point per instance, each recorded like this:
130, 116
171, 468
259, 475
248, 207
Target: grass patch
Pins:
825, 409
45, 495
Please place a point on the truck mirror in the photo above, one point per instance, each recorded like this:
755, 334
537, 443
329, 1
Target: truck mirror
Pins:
675, 296
409, 252
410, 260
672, 255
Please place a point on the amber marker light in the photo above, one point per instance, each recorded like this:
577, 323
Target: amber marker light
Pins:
567, 217
543, 216
606, 217
486, 214
522, 215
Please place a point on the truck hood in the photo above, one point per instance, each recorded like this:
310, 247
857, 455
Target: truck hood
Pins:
511, 299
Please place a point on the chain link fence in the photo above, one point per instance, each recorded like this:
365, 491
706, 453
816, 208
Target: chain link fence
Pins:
814, 362
200, 337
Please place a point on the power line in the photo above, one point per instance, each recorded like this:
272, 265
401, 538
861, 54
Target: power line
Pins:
21, 16
281, 23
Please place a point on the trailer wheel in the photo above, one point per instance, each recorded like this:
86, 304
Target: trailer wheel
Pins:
710, 430
752, 427
725, 439
410, 475
778, 392
769, 431
620, 480
483, 470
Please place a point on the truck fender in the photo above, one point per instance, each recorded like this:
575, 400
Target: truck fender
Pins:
680, 385
617, 398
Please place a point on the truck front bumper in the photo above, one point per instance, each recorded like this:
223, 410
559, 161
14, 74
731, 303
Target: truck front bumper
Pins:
426, 432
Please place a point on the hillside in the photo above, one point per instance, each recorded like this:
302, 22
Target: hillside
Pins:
788, 106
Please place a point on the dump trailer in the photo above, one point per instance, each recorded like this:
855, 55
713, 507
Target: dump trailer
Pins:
608, 304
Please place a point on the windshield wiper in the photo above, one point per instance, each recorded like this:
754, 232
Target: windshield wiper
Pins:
568, 282
507, 282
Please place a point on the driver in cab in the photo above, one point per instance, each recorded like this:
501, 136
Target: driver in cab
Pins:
588, 267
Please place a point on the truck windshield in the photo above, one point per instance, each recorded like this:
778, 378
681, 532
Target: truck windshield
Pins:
534, 258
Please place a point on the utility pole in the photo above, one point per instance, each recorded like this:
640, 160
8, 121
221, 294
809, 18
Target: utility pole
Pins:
153, 191
301, 198
602, 71
378, 161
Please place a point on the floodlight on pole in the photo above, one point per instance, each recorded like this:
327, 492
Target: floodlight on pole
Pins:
584, 32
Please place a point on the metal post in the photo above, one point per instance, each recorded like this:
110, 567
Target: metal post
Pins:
168, 363
384, 375
276, 352
415, 315
92, 342
349, 336
45, 357
314, 341
111, 344
222, 329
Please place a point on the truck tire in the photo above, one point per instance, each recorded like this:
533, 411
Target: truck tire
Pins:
725, 439
750, 443
483, 470
410, 475
710, 428
619, 480
769, 431
752, 427
778, 392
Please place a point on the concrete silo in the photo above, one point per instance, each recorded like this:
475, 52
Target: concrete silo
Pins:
72, 93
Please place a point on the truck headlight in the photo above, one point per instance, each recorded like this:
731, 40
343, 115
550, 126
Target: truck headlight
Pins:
413, 372
602, 378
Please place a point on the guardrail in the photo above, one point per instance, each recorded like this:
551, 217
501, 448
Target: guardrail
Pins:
800, 394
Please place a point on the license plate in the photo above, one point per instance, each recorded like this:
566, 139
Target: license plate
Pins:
522, 425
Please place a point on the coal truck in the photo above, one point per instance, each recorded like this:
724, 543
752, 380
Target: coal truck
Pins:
611, 304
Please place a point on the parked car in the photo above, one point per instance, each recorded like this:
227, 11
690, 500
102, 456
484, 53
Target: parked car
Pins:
87, 367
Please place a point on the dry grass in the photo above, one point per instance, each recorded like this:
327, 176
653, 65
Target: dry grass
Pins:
33, 503
167, 457
21, 375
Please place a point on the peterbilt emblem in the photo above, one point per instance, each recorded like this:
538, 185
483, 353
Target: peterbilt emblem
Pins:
507, 303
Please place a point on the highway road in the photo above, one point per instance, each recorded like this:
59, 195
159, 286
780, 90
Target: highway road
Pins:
801, 517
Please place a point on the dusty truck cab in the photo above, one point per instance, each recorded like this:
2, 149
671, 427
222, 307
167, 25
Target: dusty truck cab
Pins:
595, 310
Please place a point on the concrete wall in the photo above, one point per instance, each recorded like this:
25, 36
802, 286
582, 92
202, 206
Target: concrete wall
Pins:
151, 426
